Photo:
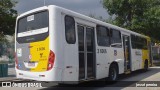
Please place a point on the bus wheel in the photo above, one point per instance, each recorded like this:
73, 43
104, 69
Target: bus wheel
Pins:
113, 72
146, 65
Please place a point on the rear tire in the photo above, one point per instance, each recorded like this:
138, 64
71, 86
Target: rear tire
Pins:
146, 66
113, 73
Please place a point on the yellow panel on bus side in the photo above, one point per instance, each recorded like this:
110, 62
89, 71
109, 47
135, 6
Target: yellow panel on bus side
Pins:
39, 53
145, 55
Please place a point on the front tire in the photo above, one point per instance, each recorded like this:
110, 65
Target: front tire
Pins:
113, 73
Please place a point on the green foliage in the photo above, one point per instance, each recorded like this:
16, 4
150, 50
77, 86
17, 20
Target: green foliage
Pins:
7, 48
7, 26
7, 17
142, 16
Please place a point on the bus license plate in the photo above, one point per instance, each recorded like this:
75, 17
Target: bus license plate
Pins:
31, 64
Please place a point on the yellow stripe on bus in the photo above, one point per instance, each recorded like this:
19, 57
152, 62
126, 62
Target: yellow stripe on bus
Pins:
145, 53
145, 56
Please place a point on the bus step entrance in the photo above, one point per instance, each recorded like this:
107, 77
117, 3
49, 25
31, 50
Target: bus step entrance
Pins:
128, 71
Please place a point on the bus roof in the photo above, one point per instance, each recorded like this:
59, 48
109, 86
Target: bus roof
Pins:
75, 14
81, 16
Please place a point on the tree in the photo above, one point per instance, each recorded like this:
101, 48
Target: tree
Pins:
7, 24
142, 16
7, 17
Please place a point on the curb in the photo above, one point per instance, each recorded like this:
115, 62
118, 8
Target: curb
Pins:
7, 79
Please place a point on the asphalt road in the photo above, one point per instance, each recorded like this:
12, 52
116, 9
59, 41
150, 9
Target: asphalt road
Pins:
126, 82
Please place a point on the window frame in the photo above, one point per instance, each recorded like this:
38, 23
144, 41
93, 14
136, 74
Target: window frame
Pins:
108, 36
111, 37
21, 39
74, 41
138, 42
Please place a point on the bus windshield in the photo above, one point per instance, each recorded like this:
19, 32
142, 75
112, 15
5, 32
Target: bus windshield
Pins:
33, 27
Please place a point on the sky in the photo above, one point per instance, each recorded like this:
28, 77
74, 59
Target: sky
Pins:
85, 7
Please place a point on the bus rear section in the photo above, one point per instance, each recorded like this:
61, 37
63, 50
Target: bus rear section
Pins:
34, 57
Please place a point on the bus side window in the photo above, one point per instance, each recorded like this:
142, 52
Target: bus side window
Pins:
133, 39
70, 30
103, 36
138, 42
115, 38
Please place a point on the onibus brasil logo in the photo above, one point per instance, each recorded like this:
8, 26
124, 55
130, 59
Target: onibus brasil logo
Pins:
13, 84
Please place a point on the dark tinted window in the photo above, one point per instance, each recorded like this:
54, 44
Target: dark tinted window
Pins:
41, 20
133, 41
90, 39
102, 36
115, 38
34, 21
70, 29
138, 42
81, 37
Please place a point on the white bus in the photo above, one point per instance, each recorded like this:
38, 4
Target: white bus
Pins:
56, 44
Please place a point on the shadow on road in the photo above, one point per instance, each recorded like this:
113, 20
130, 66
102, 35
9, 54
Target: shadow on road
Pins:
139, 75
124, 81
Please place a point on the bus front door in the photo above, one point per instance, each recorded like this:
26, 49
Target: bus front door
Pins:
86, 45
